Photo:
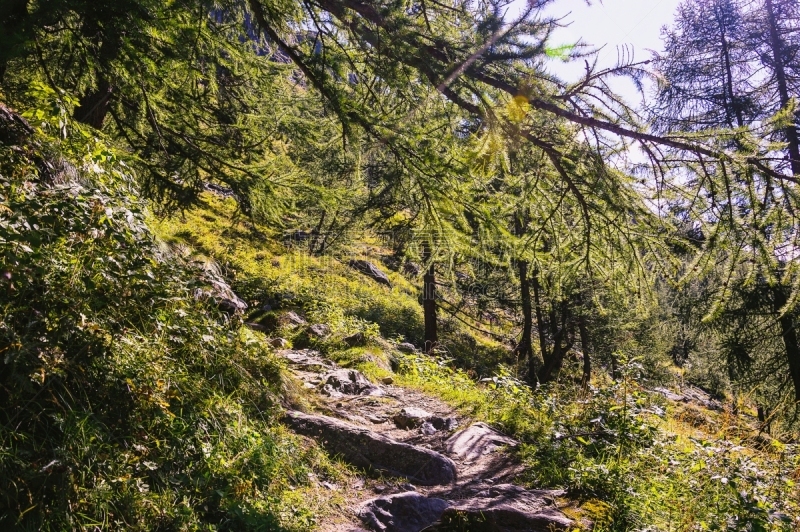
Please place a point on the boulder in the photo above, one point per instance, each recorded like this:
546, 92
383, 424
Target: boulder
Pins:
371, 271
427, 429
444, 423
351, 382
411, 417
402, 512
504, 508
475, 441
279, 343
412, 269
221, 293
369, 450
358, 339
292, 319
319, 330
407, 347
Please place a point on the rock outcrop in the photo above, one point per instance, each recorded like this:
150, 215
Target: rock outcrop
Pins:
504, 508
402, 512
370, 450
476, 441
371, 271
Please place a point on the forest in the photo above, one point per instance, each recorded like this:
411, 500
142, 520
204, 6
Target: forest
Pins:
355, 265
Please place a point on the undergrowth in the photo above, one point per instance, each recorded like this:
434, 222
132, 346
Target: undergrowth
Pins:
128, 404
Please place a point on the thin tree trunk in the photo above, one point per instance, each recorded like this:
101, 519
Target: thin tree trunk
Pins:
561, 345
94, 105
788, 332
524, 348
777, 45
789, 336
733, 105
12, 20
532, 377
583, 330
429, 299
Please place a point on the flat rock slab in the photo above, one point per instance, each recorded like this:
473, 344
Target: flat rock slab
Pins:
402, 512
504, 508
475, 441
370, 450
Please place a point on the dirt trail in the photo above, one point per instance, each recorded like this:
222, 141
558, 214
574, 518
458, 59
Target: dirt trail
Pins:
481, 455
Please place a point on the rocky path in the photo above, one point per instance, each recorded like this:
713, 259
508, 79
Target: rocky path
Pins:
425, 466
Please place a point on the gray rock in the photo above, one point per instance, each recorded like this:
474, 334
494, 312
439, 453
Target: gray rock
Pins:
307, 360
411, 417
221, 293
412, 269
292, 318
402, 512
319, 330
504, 508
407, 347
369, 450
428, 429
358, 339
279, 343
351, 382
444, 423
371, 271
475, 441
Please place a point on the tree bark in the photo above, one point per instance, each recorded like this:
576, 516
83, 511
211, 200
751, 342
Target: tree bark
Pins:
583, 330
429, 299
788, 332
789, 336
562, 343
777, 45
94, 105
540, 327
524, 348
13, 15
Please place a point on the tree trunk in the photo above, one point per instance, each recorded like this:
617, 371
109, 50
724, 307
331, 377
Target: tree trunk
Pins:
777, 45
429, 299
733, 104
525, 346
94, 105
788, 332
532, 376
12, 21
789, 336
583, 330
561, 345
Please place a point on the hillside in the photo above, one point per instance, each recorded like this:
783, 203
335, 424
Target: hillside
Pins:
336, 265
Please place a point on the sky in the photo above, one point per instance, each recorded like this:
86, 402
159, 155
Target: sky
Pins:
612, 24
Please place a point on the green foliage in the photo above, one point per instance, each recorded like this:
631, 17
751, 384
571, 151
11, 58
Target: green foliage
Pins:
127, 404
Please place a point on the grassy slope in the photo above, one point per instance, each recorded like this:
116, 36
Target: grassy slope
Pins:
128, 404
630, 457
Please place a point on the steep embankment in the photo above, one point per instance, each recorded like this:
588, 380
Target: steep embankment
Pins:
129, 399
